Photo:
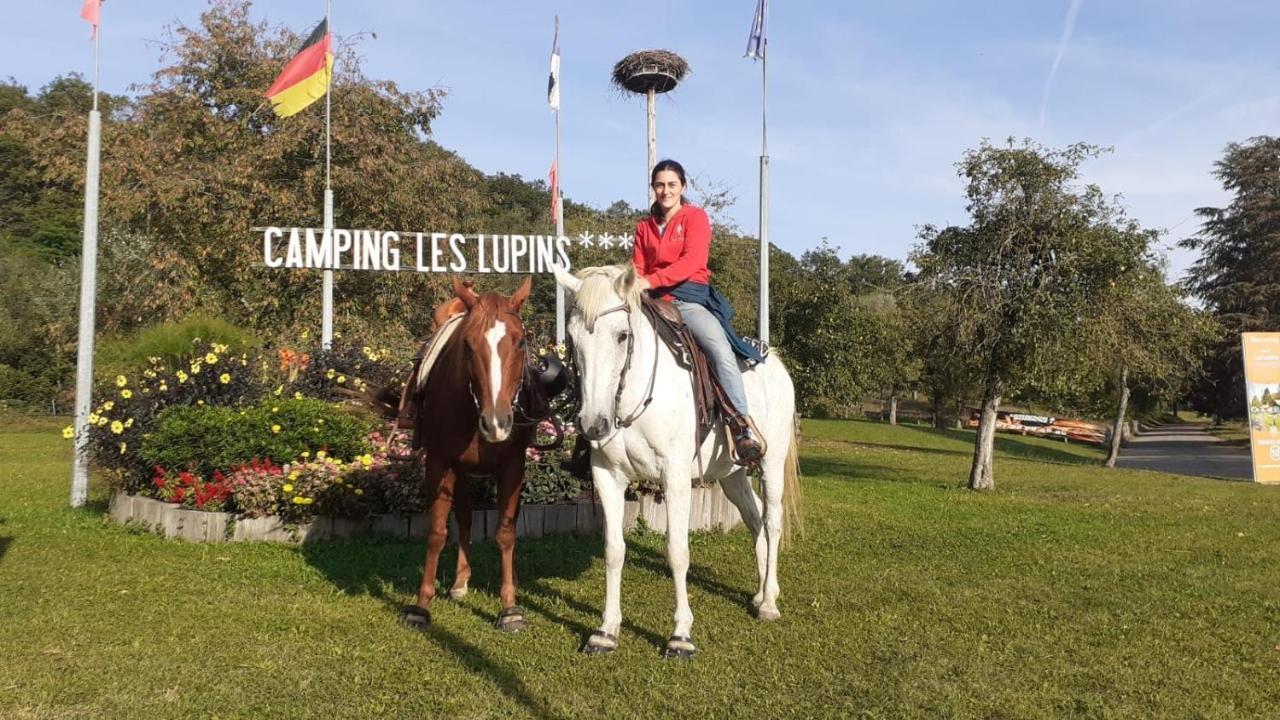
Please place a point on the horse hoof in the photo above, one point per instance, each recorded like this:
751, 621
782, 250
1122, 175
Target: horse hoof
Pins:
599, 643
458, 593
511, 620
679, 647
757, 600
764, 613
418, 618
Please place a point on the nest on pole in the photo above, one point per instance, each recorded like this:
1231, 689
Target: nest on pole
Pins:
657, 70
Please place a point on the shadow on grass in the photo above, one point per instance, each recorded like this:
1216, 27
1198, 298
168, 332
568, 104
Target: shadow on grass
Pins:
1011, 446
388, 570
4, 546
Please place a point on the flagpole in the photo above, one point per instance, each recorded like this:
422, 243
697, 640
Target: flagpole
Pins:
558, 199
764, 182
88, 295
326, 323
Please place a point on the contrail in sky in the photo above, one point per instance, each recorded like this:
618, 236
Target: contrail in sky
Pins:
1067, 29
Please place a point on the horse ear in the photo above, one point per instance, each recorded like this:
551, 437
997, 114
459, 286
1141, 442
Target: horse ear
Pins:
567, 279
521, 293
465, 292
626, 281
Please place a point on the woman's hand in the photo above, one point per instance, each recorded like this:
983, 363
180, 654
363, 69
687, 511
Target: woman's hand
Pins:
642, 283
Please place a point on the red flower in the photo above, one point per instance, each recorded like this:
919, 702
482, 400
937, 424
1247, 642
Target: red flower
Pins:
161, 482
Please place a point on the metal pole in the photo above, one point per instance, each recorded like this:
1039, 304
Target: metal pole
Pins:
326, 303
764, 196
88, 295
559, 234
653, 145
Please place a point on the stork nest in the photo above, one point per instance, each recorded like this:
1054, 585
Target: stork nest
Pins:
657, 70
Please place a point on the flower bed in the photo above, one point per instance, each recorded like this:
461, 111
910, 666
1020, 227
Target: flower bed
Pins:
709, 510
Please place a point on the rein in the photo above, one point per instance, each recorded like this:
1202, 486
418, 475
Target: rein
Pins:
640, 409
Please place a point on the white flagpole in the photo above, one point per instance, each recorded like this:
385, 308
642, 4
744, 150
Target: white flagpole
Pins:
558, 201
88, 295
764, 183
326, 323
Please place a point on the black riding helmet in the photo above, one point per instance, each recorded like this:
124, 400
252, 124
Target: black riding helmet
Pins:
552, 373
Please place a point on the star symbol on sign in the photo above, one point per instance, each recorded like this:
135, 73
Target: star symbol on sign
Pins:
626, 241
606, 241
584, 240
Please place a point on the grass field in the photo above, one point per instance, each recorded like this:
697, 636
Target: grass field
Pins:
1069, 591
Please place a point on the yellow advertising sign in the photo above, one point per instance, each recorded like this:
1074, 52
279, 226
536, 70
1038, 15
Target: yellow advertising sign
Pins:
1262, 393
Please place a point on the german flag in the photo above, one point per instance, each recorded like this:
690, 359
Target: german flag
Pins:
306, 78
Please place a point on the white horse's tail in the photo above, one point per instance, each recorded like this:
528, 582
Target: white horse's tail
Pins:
792, 497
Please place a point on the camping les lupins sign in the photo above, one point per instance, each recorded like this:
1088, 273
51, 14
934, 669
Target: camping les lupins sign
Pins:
390, 250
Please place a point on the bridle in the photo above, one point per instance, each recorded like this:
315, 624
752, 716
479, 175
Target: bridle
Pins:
520, 417
626, 422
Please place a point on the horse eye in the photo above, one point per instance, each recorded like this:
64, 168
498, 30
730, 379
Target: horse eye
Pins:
624, 336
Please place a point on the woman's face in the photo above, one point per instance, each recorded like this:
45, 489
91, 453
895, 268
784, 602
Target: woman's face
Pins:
667, 189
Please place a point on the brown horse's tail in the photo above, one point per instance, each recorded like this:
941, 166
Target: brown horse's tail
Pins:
792, 495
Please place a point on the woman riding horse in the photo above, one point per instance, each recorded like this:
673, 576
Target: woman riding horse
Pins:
670, 255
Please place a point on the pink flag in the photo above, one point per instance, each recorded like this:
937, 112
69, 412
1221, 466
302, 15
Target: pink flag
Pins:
555, 192
92, 13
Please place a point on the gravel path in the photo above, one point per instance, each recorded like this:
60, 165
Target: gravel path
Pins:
1186, 449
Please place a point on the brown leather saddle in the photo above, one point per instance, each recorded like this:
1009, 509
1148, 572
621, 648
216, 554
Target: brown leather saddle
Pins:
711, 404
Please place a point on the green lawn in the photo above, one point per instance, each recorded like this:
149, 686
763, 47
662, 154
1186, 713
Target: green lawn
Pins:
1069, 591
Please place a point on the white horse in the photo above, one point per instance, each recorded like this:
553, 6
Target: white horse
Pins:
638, 413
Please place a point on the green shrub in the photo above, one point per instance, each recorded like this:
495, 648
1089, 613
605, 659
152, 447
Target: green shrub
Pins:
171, 342
205, 438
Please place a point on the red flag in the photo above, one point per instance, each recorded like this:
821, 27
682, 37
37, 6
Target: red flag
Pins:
555, 192
91, 11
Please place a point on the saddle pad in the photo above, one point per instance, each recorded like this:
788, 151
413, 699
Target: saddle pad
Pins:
434, 345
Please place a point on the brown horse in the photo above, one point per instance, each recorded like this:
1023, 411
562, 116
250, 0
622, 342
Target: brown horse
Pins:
470, 412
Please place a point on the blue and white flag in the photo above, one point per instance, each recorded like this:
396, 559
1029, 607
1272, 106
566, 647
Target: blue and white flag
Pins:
757, 41
553, 83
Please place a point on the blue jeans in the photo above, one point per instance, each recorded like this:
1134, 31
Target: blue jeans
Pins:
709, 333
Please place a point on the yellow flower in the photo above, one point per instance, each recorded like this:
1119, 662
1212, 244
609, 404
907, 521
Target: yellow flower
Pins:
121, 381
293, 475
148, 373
195, 368
224, 378
297, 396
199, 402
308, 501
342, 379
320, 421
210, 358
126, 393
68, 432
275, 428
128, 423
287, 488
275, 408
122, 448
93, 418
182, 376
320, 454
366, 459
164, 387
117, 427
359, 491
108, 405
279, 389
299, 500
331, 374
219, 348
306, 453
306, 334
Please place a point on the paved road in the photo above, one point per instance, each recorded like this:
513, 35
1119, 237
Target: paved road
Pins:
1186, 450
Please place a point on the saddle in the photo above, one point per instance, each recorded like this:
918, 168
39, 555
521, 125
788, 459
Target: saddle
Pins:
711, 404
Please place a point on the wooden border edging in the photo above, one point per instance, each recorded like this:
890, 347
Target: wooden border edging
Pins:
709, 509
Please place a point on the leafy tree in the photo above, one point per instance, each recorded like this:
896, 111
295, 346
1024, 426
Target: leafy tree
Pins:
1235, 275
1038, 251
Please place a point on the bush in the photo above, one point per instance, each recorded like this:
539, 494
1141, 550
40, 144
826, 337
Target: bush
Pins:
171, 343
206, 438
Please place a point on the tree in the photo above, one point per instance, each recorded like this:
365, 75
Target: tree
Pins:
1014, 281
1235, 276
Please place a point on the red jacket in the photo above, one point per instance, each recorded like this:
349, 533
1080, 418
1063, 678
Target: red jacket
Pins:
678, 254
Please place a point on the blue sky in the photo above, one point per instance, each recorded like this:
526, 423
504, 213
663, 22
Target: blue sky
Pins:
871, 103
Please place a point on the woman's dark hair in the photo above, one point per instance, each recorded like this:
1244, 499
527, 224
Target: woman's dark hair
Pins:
674, 167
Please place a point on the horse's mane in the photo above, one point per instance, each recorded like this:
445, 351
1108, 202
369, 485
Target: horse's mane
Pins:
600, 290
